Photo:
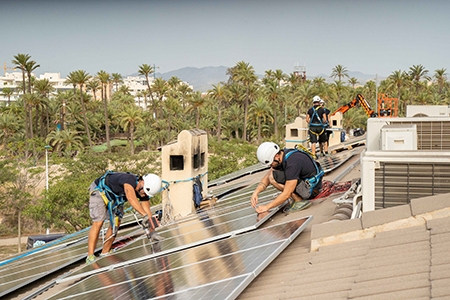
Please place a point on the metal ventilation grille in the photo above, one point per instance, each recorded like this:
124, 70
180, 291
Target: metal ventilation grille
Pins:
432, 135
398, 183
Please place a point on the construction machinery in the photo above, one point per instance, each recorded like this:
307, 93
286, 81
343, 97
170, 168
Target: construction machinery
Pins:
359, 99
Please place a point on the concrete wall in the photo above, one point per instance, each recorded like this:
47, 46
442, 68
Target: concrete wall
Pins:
181, 162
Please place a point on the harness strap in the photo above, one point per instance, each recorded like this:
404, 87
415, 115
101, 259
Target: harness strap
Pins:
314, 180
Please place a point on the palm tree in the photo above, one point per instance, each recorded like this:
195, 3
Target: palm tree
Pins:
30, 67
417, 73
440, 76
8, 126
196, 100
81, 78
44, 88
244, 74
8, 92
93, 85
273, 93
353, 81
339, 71
398, 79
146, 70
219, 93
67, 141
116, 78
20, 61
104, 78
129, 118
260, 111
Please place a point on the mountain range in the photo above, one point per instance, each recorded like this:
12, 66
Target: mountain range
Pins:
202, 79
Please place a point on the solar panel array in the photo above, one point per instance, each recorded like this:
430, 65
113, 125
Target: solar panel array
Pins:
217, 270
207, 240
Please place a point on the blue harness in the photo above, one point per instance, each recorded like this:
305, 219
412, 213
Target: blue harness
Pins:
113, 202
314, 180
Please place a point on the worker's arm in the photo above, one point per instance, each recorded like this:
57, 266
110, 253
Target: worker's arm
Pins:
289, 188
307, 118
262, 185
134, 202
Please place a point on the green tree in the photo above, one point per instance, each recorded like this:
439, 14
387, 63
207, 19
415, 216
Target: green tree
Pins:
104, 78
244, 74
261, 111
129, 118
81, 78
66, 142
353, 81
117, 79
146, 70
339, 71
219, 94
8, 93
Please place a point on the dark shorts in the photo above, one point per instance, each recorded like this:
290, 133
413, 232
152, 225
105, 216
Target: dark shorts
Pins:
301, 189
317, 134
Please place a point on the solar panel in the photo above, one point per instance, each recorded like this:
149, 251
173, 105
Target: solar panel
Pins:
184, 236
33, 267
220, 270
329, 163
238, 174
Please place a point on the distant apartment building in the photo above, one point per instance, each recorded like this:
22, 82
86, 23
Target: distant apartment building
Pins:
137, 86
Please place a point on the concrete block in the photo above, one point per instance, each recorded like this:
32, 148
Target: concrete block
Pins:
386, 215
429, 204
334, 228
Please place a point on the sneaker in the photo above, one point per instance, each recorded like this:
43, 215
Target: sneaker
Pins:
300, 205
105, 254
90, 259
286, 205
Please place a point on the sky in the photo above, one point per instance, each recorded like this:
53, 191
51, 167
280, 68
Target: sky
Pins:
372, 37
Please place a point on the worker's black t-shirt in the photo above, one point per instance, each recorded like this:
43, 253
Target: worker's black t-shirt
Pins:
115, 182
316, 119
298, 165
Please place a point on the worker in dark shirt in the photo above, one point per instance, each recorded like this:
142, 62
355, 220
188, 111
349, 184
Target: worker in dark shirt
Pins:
316, 120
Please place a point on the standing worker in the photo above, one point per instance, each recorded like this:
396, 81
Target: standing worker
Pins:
316, 120
107, 197
293, 172
324, 146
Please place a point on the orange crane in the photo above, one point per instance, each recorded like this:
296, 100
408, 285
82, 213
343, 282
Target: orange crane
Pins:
359, 99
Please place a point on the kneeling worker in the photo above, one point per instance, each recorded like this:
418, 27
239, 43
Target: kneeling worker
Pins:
107, 197
293, 172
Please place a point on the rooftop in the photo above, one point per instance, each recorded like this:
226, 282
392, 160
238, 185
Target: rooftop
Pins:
393, 253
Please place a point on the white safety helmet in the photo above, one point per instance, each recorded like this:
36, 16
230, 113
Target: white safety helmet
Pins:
321, 101
152, 184
316, 99
266, 152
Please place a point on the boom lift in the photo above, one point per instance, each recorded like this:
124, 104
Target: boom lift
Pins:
359, 99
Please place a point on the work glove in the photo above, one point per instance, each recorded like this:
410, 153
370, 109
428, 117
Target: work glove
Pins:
145, 222
149, 223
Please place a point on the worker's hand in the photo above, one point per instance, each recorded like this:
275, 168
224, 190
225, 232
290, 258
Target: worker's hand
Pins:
254, 200
262, 209
145, 222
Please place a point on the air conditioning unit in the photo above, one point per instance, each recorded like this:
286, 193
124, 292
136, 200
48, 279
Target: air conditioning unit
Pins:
399, 137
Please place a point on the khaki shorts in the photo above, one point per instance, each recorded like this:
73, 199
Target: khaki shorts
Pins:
97, 207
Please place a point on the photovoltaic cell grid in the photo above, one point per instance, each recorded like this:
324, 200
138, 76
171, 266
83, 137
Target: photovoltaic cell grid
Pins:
68, 250
33, 267
220, 270
186, 235
238, 174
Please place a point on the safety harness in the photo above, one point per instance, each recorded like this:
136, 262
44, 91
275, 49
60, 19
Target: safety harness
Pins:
320, 124
312, 181
113, 202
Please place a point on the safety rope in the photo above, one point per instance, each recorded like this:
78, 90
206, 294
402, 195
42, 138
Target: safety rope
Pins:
331, 187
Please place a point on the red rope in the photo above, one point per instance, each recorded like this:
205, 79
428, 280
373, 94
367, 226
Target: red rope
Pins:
330, 187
